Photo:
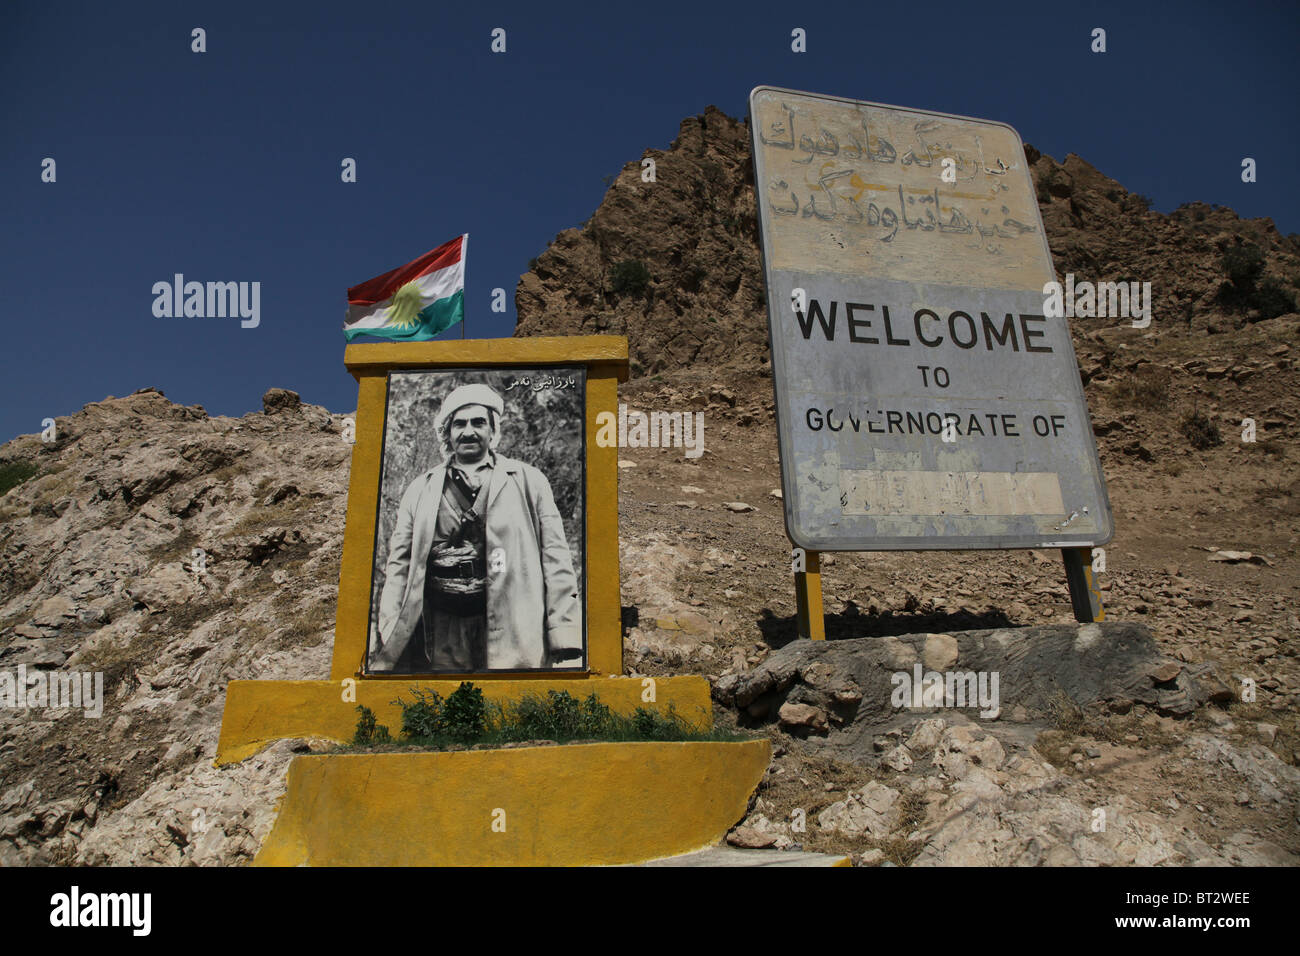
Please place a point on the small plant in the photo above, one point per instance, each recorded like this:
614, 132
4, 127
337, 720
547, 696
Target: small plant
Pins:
1144, 201
901, 851
1045, 183
597, 718
1249, 288
423, 716
911, 811
14, 473
560, 716
369, 731
1065, 713
1272, 298
1148, 387
1243, 265
464, 715
630, 277
658, 725
1199, 430
547, 718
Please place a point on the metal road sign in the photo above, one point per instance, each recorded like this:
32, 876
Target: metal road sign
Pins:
924, 400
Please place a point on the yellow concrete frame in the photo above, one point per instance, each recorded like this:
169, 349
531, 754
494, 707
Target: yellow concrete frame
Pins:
606, 359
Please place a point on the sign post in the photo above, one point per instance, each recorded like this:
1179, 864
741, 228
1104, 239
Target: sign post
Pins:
808, 598
1085, 596
925, 397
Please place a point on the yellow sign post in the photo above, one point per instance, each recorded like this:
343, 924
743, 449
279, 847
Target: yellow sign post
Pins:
808, 598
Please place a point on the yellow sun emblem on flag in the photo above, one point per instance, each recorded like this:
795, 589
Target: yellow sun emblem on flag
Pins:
407, 303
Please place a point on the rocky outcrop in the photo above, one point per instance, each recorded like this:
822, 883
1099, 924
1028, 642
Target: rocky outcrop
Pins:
856, 682
168, 552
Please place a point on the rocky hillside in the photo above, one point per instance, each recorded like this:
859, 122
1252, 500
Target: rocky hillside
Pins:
173, 552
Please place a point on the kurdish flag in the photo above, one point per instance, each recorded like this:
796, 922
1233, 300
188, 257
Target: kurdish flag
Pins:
413, 302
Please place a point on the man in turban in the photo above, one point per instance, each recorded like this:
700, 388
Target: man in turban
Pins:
479, 575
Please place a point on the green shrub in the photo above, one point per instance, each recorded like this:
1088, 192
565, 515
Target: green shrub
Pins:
559, 716
554, 716
13, 474
1200, 431
369, 732
597, 718
1243, 265
658, 725
630, 277
1272, 298
466, 718
1249, 288
1045, 183
423, 716
464, 714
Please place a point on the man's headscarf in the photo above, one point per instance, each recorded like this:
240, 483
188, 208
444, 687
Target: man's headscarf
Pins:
457, 399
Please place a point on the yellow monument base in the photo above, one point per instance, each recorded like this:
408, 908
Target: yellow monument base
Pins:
577, 804
573, 805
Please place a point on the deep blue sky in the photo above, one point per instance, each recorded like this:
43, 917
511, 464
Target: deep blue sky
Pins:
225, 165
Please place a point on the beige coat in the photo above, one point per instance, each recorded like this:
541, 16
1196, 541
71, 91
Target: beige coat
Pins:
533, 605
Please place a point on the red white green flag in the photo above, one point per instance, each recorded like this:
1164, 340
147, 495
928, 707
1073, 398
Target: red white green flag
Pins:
413, 302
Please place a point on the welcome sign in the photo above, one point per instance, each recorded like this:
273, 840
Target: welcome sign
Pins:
926, 398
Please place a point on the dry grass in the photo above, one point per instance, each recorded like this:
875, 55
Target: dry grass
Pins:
1199, 430
1065, 714
1147, 387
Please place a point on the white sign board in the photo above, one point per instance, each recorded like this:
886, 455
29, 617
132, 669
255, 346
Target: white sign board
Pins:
925, 400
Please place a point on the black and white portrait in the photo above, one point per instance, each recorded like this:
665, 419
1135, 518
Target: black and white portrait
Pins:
479, 542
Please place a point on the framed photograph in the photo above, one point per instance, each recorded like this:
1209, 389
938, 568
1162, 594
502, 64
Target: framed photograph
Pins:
479, 551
